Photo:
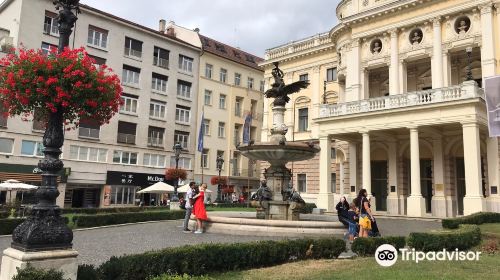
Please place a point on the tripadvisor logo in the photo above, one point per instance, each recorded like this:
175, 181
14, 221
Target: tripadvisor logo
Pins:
386, 255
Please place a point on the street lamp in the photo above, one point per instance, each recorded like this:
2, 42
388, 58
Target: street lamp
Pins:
177, 150
468, 71
220, 162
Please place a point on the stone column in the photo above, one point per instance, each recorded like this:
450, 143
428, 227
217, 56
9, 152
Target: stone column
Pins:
438, 200
289, 117
341, 179
325, 196
437, 55
493, 201
353, 82
367, 176
265, 121
394, 67
353, 169
316, 100
392, 198
473, 200
403, 77
416, 202
488, 61
446, 69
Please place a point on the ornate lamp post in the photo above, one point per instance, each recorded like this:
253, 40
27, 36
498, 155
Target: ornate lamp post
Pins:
177, 150
219, 163
468, 73
45, 229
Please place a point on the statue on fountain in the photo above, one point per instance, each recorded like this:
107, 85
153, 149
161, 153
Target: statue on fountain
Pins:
263, 194
279, 91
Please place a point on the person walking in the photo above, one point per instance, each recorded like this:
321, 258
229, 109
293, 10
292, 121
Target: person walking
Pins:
342, 208
366, 215
199, 208
189, 206
351, 220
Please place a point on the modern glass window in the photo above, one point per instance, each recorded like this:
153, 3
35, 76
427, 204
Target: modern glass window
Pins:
250, 83
160, 57
31, 148
50, 25
155, 136
181, 137
208, 97
157, 109
159, 83
48, 48
304, 77
302, 182
129, 104
6, 145
185, 63
124, 157
262, 85
303, 119
87, 153
153, 160
133, 47
208, 71
206, 127
333, 187
131, 75
184, 162
221, 130
97, 37
122, 195
222, 101
221, 154
331, 74
237, 79
183, 89
182, 114
204, 158
223, 75
238, 106
126, 132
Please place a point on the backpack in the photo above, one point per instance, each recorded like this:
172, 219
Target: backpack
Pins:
182, 204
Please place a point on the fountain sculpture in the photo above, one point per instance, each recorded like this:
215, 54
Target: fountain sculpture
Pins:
277, 199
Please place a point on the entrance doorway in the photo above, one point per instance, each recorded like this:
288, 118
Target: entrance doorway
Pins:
426, 183
460, 182
379, 183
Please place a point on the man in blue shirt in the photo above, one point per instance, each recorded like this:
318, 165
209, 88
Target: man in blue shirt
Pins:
189, 199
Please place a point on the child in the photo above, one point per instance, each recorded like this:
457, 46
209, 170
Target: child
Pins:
351, 220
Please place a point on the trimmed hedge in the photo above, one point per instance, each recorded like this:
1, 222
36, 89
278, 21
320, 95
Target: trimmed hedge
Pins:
466, 237
475, 219
82, 221
31, 273
365, 246
206, 258
227, 205
181, 277
111, 210
7, 226
308, 209
4, 215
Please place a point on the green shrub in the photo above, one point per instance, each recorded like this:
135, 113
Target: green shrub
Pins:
123, 218
475, 219
308, 209
466, 237
31, 273
7, 226
180, 277
4, 215
228, 205
206, 258
87, 272
109, 210
365, 246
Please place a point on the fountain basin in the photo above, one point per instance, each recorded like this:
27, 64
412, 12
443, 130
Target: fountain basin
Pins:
277, 154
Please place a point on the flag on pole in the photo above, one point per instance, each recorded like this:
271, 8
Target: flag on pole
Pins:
200, 135
246, 128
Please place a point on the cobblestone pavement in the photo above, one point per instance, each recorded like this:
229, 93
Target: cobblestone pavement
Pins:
98, 245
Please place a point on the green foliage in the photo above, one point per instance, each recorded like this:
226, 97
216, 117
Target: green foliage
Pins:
31, 273
124, 218
4, 215
475, 219
87, 272
364, 246
308, 209
466, 237
181, 277
90, 211
228, 205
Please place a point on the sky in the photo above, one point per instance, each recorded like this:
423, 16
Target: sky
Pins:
253, 26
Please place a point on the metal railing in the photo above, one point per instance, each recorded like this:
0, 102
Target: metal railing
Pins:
51, 29
155, 142
132, 52
101, 43
89, 132
160, 62
126, 138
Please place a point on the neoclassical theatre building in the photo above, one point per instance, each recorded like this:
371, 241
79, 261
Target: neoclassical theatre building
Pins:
396, 103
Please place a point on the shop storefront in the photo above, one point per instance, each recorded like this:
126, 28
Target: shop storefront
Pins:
82, 196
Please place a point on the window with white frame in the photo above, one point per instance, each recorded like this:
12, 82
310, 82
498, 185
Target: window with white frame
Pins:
133, 47
122, 195
222, 130
237, 79
184, 162
208, 71
262, 85
250, 83
129, 104
160, 57
222, 101
157, 109
48, 48
155, 136
221, 154
87, 153
124, 157
238, 106
183, 89
182, 114
185, 63
97, 37
153, 160
304, 77
181, 137
223, 75
303, 119
204, 158
208, 97
159, 83
6, 145
131, 75
31, 148
331, 74
302, 182
206, 127
50, 25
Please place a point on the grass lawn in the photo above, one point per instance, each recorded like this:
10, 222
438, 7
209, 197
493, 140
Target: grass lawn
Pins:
490, 230
235, 209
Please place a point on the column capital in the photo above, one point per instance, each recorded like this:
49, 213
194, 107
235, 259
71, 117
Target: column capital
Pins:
469, 124
364, 132
436, 22
486, 8
324, 137
355, 43
316, 69
412, 128
393, 32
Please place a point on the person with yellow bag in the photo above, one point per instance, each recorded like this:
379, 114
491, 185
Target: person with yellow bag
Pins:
366, 215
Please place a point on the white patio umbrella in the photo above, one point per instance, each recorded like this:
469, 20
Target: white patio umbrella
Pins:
185, 188
158, 187
15, 185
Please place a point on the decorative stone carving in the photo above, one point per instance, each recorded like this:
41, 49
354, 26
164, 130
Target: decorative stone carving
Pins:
462, 25
376, 46
416, 36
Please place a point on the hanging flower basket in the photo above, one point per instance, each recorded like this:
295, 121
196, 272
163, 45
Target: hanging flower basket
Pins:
174, 174
215, 180
66, 82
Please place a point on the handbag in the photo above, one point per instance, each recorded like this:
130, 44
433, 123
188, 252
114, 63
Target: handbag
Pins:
365, 222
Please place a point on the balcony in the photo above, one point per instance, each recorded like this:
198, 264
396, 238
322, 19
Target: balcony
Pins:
466, 90
126, 138
319, 40
87, 132
160, 62
132, 53
155, 142
51, 29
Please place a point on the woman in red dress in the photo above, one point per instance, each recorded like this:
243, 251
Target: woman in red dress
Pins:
199, 208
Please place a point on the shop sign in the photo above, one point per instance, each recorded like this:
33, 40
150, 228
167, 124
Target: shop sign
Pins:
133, 179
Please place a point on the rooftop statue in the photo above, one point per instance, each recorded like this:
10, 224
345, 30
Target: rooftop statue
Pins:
279, 91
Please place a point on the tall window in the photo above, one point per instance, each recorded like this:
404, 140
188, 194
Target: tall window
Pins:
97, 37
304, 77
184, 162
160, 57
333, 154
221, 154
155, 136
262, 84
31, 148
153, 160
159, 83
222, 130
87, 153
238, 106
250, 83
208, 97
122, 195
50, 25
124, 157
129, 104
237, 79
223, 75
208, 71
133, 47
157, 109
333, 187
182, 114
6, 145
222, 101
331, 74
253, 108
131, 75
185, 63
204, 158
47, 48
303, 119
183, 89
126, 132
181, 137
206, 127
302, 182
237, 133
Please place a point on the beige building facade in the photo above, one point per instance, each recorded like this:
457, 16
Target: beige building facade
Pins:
408, 124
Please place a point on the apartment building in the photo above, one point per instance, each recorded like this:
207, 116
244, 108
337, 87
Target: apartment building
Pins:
106, 165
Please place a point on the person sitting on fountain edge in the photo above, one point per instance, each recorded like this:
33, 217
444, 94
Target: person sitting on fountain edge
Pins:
342, 208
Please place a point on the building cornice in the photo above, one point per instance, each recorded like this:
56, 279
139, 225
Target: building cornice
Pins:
5, 4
